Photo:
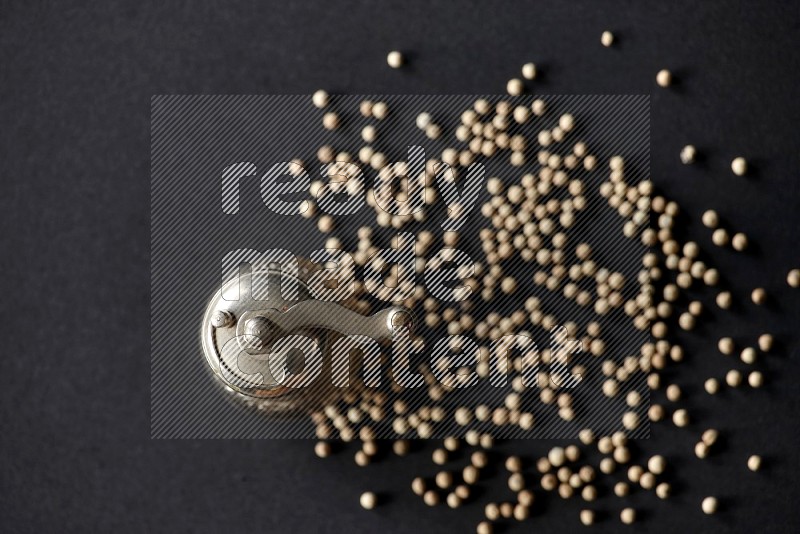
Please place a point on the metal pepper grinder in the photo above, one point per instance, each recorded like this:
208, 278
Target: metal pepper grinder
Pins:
239, 334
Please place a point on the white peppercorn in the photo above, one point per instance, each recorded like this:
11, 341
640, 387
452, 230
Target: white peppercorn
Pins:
330, 121
368, 500
748, 355
444, 479
754, 463
647, 481
710, 436
711, 386
673, 392
322, 449
320, 99
395, 59
656, 464
733, 378
361, 458
628, 516
793, 278
401, 447
470, 474
453, 500
709, 505
528, 71
739, 166
720, 237
431, 498
556, 456
479, 459
664, 78
758, 296
688, 154
587, 517
380, 110
710, 219
514, 87
680, 417
701, 450
635, 473
739, 242
755, 379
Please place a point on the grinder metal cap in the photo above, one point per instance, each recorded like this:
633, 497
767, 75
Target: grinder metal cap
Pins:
249, 322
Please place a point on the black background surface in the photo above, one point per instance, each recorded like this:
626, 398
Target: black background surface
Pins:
74, 382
